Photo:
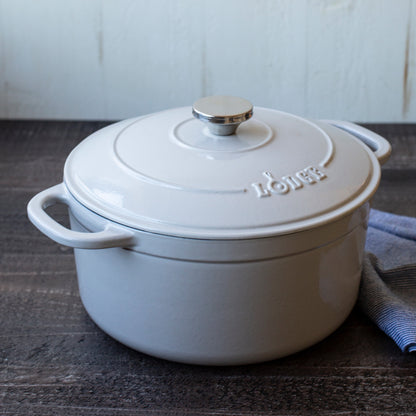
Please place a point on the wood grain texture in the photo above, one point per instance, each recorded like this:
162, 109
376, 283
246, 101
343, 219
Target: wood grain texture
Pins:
55, 361
103, 59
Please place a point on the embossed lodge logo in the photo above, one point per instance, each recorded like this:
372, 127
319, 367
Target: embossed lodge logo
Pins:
283, 185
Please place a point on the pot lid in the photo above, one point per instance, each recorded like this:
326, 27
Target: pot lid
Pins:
209, 176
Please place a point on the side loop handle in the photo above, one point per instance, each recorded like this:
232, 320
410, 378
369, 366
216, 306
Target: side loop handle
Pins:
379, 145
111, 236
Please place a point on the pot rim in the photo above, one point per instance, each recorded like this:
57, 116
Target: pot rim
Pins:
223, 250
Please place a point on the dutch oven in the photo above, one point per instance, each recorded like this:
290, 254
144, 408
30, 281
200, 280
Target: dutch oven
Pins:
224, 238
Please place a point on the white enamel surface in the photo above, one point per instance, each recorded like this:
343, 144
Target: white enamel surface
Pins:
225, 250
381, 147
279, 174
110, 234
221, 313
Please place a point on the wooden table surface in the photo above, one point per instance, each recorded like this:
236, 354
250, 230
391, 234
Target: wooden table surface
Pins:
55, 361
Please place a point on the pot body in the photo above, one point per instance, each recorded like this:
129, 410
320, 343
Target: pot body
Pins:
221, 311
186, 258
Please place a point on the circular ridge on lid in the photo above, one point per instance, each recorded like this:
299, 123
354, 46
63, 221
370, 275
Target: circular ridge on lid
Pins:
140, 174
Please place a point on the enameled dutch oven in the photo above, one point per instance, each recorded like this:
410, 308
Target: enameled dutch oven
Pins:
204, 241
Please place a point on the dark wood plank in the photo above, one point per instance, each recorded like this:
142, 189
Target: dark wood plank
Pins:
397, 192
402, 138
54, 360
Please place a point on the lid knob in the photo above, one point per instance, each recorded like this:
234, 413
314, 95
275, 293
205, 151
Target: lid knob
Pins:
222, 113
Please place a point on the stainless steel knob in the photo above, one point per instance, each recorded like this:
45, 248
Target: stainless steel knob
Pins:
222, 113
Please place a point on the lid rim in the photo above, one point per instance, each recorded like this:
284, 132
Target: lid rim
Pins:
103, 190
244, 234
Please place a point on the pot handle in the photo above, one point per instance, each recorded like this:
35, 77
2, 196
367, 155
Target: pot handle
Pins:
111, 236
379, 145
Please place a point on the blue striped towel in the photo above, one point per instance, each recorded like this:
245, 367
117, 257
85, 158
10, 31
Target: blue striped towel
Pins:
388, 286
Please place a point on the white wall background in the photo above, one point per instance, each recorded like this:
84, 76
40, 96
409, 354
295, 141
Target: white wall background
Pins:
112, 59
